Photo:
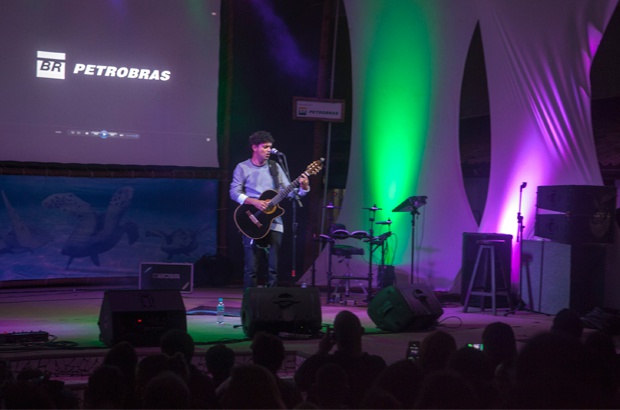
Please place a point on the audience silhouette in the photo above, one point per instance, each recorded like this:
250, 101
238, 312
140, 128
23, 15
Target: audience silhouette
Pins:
219, 361
201, 387
360, 367
436, 350
558, 368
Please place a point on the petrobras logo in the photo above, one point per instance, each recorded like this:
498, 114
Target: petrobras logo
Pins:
52, 65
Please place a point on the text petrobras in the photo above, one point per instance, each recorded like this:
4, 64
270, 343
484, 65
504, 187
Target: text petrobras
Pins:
53, 65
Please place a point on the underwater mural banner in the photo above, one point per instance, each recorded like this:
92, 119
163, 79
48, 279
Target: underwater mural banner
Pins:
78, 227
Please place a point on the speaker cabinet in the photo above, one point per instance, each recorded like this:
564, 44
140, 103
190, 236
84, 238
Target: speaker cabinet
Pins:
557, 276
587, 213
405, 307
281, 310
576, 199
503, 258
575, 228
140, 317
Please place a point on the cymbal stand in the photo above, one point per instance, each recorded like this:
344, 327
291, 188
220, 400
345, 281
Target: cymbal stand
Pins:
371, 218
381, 241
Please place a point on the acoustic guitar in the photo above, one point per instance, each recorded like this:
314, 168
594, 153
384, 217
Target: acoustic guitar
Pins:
256, 224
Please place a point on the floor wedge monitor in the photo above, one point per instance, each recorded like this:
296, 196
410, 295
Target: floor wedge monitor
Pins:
280, 310
405, 307
140, 317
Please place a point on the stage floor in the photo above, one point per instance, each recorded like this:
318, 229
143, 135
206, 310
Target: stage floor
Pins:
70, 316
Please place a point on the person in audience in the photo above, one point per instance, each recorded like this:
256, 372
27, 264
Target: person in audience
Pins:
361, 368
476, 369
402, 379
378, 398
500, 346
200, 385
21, 394
568, 322
445, 389
268, 351
35, 388
499, 343
602, 351
251, 386
106, 389
330, 389
219, 361
167, 390
124, 356
435, 351
153, 365
553, 370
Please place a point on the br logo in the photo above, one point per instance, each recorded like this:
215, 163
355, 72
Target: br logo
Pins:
51, 65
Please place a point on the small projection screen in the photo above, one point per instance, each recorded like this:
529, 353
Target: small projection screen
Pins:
130, 82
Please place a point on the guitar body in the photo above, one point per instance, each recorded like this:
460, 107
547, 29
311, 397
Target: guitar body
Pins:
256, 224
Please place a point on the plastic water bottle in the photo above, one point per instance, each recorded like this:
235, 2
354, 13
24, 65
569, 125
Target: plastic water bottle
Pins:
220, 311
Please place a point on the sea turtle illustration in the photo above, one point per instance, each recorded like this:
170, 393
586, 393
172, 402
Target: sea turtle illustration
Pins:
177, 242
96, 233
22, 237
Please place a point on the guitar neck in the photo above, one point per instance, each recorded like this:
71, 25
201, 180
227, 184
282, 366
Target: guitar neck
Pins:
283, 193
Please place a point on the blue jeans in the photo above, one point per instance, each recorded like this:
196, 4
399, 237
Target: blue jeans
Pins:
253, 254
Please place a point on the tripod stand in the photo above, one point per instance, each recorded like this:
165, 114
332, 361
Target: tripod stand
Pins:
411, 205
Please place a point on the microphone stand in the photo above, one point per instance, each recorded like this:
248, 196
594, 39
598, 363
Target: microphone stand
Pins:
520, 228
296, 202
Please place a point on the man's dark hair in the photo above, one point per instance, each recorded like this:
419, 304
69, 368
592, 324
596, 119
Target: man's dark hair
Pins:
260, 137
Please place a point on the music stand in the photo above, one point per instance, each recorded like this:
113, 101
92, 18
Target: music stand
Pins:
411, 205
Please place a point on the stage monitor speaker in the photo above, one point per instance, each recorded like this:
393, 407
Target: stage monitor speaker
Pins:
556, 276
405, 307
470, 253
280, 310
140, 317
577, 199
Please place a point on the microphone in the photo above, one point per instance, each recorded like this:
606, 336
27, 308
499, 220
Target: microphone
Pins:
523, 185
275, 151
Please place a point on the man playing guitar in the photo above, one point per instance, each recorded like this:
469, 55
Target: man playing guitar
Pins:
251, 178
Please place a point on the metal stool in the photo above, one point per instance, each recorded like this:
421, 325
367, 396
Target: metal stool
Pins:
345, 252
485, 265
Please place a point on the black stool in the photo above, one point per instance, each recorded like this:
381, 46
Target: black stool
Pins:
485, 265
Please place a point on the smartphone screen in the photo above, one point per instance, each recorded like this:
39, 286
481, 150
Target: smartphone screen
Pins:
478, 346
413, 350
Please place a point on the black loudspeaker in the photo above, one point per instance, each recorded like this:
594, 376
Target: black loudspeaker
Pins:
408, 307
503, 259
587, 216
279, 310
556, 276
575, 228
140, 317
576, 199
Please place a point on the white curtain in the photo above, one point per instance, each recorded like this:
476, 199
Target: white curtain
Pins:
538, 56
